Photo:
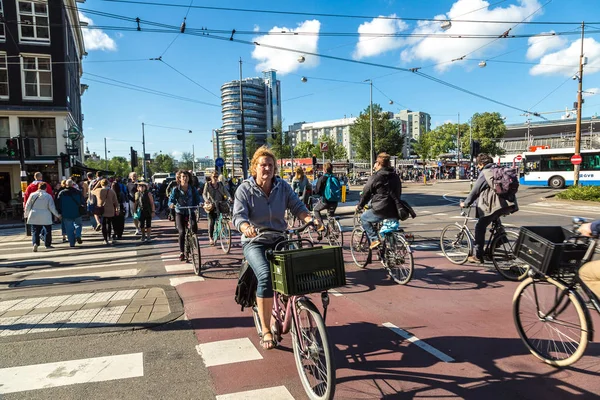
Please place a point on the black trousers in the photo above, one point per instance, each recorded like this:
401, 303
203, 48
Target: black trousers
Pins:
118, 225
322, 205
107, 223
181, 223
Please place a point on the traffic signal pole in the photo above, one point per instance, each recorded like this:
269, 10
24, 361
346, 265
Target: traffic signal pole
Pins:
23, 180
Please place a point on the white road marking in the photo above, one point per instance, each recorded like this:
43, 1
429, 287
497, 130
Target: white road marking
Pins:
448, 200
228, 352
413, 339
185, 279
78, 277
179, 267
522, 209
91, 266
54, 254
335, 292
169, 257
439, 214
275, 393
64, 373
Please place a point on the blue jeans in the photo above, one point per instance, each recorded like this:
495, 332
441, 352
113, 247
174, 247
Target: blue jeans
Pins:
36, 231
255, 255
72, 229
368, 219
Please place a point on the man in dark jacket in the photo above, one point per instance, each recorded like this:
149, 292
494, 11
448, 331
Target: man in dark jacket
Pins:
383, 189
490, 206
68, 203
323, 203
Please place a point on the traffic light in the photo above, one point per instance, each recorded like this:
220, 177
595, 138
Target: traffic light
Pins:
12, 148
239, 134
475, 148
314, 160
134, 162
65, 160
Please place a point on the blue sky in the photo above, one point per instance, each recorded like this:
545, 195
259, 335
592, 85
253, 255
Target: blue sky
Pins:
530, 73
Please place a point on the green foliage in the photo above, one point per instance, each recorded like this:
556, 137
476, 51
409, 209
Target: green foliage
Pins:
442, 139
590, 193
304, 149
335, 150
489, 129
387, 134
422, 146
118, 165
163, 163
187, 161
251, 146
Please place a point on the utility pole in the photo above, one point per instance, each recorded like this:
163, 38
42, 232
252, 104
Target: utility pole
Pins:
372, 151
193, 159
458, 148
578, 123
144, 153
23, 178
291, 152
105, 156
244, 155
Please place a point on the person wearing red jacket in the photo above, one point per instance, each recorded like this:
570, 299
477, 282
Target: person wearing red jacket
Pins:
33, 187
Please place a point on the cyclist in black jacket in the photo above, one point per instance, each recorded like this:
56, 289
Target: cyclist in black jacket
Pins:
383, 189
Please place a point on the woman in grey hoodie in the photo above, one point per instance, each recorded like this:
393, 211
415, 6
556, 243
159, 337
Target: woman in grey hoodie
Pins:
260, 202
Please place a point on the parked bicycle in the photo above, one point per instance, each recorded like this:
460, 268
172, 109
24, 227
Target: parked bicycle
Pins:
222, 231
551, 306
456, 242
192, 247
394, 251
332, 232
294, 311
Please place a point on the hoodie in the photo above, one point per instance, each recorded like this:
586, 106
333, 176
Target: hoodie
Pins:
253, 206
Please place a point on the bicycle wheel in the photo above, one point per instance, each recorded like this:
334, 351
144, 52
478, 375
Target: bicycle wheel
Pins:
334, 233
195, 253
356, 219
399, 259
555, 333
504, 259
312, 352
187, 246
455, 243
225, 236
359, 247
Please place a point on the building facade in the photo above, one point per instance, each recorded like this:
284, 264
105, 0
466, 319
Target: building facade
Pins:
41, 49
262, 113
337, 129
414, 123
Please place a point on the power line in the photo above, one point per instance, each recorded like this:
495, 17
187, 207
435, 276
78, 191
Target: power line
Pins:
168, 127
186, 77
548, 95
314, 14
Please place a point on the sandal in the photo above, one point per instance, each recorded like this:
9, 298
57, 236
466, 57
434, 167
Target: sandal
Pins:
267, 344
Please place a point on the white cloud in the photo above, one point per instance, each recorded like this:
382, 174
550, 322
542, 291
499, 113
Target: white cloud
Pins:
176, 154
540, 45
591, 92
285, 61
256, 28
443, 50
369, 46
96, 39
552, 64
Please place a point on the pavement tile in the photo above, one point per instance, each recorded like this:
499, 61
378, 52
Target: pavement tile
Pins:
161, 308
43, 310
94, 305
77, 299
53, 301
100, 297
5, 305
15, 313
154, 292
157, 315
124, 295
146, 309
161, 301
125, 318
27, 303
113, 303
141, 294
140, 317
142, 302
72, 307
132, 309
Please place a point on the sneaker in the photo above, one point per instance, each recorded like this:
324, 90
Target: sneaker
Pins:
105, 242
98, 228
50, 247
475, 260
35, 247
374, 244
72, 246
138, 232
64, 239
78, 240
181, 257
148, 238
143, 238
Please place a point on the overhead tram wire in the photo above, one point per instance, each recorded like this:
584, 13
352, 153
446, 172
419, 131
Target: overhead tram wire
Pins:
186, 77
313, 14
182, 30
558, 87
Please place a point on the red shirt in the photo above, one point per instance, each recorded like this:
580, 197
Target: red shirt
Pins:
32, 188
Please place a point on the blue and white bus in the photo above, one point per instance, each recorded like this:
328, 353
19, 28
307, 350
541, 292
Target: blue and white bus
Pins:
553, 167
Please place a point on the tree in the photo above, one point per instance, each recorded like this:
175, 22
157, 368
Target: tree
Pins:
422, 146
334, 151
187, 161
442, 140
304, 149
488, 128
163, 163
251, 146
280, 145
387, 134
119, 166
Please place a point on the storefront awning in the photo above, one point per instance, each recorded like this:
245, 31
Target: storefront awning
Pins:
28, 162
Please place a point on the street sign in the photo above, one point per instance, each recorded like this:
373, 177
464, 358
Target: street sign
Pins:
324, 147
219, 162
518, 157
576, 159
440, 164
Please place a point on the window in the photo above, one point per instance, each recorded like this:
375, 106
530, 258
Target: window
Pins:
33, 21
3, 77
43, 131
36, 75
2, 33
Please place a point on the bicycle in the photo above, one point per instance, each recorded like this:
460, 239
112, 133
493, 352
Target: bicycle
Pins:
222, 230
332, 232
356, 222
191, 247
456, 242
312, 348
551, 306
394, 251
292, 220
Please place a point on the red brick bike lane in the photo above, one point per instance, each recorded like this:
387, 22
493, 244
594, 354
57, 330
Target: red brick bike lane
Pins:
464, 312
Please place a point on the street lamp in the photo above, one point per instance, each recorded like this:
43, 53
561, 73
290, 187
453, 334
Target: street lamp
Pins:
371, 121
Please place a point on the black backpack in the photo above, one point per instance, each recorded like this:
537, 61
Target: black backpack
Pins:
245, 292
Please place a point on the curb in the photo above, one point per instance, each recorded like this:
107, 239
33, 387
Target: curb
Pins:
175, 305
10, 226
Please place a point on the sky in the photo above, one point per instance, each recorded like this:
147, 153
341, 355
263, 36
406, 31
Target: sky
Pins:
530, 48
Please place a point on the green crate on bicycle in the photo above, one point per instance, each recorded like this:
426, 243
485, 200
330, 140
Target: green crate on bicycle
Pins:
307, 270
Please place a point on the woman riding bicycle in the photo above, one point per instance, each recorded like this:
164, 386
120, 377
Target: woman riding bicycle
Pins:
301, 185
214, 194
260, 202
184, 195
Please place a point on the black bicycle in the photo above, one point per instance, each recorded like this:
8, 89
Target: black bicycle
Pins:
192, 248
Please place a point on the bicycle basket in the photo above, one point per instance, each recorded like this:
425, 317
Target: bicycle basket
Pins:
223, 207
546, 249
307, 270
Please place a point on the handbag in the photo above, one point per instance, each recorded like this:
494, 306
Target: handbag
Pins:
81, 208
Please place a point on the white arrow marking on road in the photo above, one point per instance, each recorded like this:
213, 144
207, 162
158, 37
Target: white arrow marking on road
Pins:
64, 373
413, 339
278, 392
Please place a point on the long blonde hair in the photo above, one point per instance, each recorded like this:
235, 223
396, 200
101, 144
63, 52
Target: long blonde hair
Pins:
299, 173
262, 151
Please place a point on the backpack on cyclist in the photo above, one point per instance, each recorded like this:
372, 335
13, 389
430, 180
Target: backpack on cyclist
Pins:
333, 189
245, 292
504, 181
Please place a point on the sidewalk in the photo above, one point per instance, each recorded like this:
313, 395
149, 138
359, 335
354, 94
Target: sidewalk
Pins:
87, 312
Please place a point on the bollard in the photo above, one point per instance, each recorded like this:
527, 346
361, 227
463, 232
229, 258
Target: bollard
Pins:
343, 193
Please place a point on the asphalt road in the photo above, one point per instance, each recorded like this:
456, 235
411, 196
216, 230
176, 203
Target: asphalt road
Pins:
463, 312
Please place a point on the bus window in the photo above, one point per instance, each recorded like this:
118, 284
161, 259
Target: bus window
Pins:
556, 163
590, 162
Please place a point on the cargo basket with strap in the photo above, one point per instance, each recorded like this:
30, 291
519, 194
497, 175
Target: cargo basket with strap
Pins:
549, 250
307, 270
